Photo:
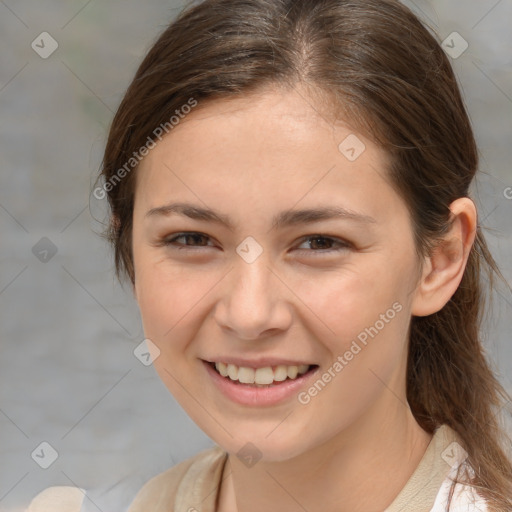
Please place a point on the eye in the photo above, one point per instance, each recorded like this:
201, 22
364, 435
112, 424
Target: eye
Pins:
318, 243
324, 244
196, 239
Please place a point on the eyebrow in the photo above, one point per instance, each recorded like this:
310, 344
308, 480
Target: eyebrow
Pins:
283, 219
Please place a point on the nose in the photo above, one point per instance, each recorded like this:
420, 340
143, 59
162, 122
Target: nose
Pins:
253, 303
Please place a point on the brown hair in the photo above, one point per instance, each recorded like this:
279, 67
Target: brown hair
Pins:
376, 63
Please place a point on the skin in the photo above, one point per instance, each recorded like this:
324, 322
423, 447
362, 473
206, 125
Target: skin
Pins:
354, 445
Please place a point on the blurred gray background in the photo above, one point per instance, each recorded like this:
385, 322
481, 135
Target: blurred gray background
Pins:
68, 374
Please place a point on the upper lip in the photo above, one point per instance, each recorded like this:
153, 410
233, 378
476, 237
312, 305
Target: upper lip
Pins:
262, 362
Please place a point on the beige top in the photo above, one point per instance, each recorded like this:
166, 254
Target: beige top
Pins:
193, 485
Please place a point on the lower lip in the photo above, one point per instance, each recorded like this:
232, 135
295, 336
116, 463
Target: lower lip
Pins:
245, 394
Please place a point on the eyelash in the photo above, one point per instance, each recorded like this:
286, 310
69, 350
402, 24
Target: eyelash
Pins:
342, 245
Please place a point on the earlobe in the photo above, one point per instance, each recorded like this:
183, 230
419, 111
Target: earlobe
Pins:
445, 266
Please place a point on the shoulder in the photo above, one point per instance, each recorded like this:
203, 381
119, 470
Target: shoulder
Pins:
164, 489
58, 499
450, 453
428, 488
465, 497
186, 479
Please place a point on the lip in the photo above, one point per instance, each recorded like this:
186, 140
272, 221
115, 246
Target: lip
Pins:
257, 363
245, 394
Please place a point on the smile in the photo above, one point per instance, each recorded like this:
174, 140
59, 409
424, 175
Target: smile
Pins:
260, 376
264, 386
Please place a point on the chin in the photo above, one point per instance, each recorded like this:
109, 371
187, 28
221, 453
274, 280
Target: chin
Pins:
257, 443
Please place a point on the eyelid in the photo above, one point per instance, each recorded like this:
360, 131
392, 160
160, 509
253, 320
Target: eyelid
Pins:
168, 240
341, 243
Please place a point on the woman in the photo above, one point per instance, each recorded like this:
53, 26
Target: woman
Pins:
289, 188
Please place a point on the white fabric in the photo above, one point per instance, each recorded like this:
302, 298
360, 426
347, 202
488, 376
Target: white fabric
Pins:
58, 499
70, 499
464, 499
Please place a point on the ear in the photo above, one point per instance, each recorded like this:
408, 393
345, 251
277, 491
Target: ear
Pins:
444, 268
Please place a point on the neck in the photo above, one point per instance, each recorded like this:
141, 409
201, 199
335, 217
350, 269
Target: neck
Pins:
361, 469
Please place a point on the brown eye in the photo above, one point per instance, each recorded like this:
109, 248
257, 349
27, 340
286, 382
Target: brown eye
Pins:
191, 239
323, 244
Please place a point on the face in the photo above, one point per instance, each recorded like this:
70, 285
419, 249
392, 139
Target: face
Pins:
258, 284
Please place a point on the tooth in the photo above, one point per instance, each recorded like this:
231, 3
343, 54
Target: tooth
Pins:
246, 375
260, 376
264, 375
303, 368
292, 372
222, 368
233, 371
280, 373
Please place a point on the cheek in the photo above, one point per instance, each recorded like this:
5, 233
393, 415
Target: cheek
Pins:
349, 302
170, 305
368, 313
165, 294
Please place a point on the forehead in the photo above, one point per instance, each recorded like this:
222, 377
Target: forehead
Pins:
279, 147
